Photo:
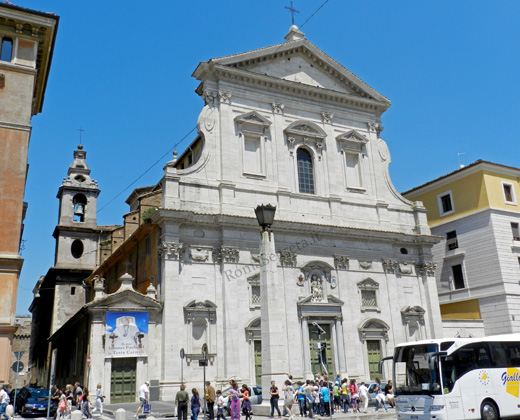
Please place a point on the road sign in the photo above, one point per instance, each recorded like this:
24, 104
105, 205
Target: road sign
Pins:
88, 361
17, 366
18, 354
182, 353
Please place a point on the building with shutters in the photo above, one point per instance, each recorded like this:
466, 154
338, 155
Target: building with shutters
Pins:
475, 210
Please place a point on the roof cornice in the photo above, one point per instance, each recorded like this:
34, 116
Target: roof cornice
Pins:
477, 166
31, 24
299, 89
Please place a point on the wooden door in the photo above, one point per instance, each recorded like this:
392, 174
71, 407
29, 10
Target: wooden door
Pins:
374, 356
123, 382
326, 352
258, 362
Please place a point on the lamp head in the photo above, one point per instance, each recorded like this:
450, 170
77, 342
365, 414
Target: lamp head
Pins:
265, 216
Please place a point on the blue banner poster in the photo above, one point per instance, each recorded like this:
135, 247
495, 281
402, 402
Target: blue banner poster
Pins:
127, 334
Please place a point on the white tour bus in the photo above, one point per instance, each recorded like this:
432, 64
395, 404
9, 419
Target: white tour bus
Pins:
458, 378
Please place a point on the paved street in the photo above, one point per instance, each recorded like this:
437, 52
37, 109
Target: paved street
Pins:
163, 410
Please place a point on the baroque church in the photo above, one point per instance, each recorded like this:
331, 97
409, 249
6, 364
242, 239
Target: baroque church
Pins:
285, 125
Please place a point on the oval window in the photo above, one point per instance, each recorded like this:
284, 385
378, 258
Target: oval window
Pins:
76, 248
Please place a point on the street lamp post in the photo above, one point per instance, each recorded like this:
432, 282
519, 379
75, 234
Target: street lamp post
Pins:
272, 306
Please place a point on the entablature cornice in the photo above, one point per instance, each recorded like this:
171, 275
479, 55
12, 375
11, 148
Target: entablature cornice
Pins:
298, 89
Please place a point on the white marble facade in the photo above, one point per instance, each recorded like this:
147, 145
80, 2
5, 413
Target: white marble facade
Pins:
352, 254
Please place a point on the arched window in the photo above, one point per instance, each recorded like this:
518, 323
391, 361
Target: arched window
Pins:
80, 202
305, 171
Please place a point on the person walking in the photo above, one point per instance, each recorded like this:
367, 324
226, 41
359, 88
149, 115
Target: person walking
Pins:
288, 398
4, 400
365, 396
144, 392
181, 403
85, 404
301, 399
99, 399
195, 404
235, 400
354, 395
275, 396
247, 411
380, 395
220, 406
209, 395
77, 396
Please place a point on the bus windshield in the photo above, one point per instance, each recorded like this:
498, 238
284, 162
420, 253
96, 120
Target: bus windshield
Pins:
413, 374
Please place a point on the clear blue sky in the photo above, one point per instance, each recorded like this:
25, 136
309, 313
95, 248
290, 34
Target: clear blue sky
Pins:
122, 71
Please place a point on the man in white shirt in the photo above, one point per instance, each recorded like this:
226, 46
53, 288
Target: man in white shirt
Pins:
4, 400
363, 393
144, 391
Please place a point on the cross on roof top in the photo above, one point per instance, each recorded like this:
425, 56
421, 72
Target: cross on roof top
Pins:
80, 133
292, 10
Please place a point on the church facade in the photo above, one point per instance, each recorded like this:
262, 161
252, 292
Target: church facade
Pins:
289, 126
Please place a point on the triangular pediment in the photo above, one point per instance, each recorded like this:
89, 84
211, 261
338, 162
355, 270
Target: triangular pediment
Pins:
299, 62
352, 136
253, 118
125, 300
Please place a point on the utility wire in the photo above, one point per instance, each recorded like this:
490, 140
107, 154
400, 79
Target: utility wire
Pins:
317, 10
148, 170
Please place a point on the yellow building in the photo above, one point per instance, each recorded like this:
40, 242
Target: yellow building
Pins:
476, 210
26, 47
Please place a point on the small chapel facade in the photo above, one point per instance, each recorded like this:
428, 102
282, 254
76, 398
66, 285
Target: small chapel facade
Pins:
289, 126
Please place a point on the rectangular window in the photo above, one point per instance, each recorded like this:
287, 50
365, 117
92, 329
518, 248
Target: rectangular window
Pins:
458, 277
353, 170
6, 51
451, 240
515, 231
368, 298
446, 203
252, 155
255, 295
509, 194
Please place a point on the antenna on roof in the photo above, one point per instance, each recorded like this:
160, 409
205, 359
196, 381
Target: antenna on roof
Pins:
458, 159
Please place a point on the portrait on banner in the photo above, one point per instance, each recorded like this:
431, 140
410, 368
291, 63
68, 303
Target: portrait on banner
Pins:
126, 334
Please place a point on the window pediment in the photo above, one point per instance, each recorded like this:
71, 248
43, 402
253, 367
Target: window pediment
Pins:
205, 309
373, 325
352, 140
305, 129
253, 119
368, 284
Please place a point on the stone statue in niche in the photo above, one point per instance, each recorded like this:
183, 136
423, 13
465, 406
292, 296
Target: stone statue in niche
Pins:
316, 288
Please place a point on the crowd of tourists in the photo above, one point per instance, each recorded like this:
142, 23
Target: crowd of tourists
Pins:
74, 397
319, 397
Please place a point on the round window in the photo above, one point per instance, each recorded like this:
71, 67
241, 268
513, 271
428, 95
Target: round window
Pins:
76, 248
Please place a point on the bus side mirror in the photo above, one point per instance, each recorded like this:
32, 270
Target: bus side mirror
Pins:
433, 356
383, 361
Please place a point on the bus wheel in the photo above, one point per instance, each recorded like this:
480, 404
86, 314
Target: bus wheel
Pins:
489, 411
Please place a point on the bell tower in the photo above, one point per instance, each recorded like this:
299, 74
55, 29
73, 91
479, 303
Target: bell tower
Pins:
77, 231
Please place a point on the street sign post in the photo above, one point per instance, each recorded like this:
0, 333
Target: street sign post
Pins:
17, 367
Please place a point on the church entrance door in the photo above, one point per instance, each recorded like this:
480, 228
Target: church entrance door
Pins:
325, 352
258, 362
374, 355
123, 382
